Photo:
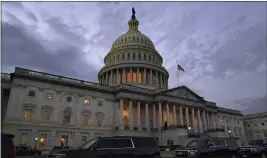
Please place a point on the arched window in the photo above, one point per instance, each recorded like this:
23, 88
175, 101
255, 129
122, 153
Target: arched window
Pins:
125, 121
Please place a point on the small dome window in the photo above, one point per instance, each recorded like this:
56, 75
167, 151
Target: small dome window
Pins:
139, 56
123, 56
133, 56
144, 56
68, 99
128, 56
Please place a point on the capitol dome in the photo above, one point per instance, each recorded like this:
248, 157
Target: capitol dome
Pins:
133, 59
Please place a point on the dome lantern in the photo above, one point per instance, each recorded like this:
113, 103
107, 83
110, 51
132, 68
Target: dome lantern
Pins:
133, 23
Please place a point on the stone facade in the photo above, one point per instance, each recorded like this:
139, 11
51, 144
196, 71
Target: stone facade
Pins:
132, 98
256, 125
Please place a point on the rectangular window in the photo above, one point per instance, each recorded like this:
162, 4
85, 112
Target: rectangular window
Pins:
122, 78
42, 140
23, 138
84, 139
27, 114
85, 119
100, 103
46, 114
31, 94
66, 118
86, 101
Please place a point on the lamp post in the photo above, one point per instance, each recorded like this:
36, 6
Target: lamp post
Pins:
36, 139
189, 128
229, 132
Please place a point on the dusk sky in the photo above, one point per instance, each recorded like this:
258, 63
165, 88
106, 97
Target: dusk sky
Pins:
221, 45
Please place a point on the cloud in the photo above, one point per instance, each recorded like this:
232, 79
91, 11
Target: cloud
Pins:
221, 45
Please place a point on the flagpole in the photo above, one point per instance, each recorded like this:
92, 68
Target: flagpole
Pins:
177, 73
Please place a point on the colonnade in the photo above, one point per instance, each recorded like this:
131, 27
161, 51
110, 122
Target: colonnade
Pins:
134, 75
198, 119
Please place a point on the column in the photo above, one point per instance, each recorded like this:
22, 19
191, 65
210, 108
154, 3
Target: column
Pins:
174, 114
193, 119
157, 80
137, 76
168, 114
131, 75
138, 114
124, 76
147, 121
204, 120
106, 78
160, 115
121, 114
131, 114
144, 78
118, 77
208, 120
181, 115
214, 120
160, 76
154, 116
151, 74
187, 117
199, 120
111, 77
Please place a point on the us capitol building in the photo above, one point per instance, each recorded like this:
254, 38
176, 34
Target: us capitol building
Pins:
131, 98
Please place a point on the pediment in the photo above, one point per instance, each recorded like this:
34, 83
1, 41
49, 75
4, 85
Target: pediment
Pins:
184, 92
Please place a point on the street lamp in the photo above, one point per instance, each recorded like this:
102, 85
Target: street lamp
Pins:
229, 132
36, 139
189, 128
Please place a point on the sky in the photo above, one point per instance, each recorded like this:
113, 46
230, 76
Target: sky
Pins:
221, 45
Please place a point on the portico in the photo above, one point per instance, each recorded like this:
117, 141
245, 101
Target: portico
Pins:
151, 115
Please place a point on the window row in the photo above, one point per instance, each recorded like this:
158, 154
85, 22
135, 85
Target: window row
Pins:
42, 141
132, 56
46, 116
256, 124
49, 96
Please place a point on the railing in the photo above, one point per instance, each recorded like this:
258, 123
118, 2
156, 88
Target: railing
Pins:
61, 78
82, 82
5, 76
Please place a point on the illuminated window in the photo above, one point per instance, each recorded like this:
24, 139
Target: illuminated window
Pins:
27, 114
140, 77
125, 121
64, 140
84, 139
128, 77
49, 96
86, 101
134, 77
122, 78
85, 119
42, 140
46, 114
23, 138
